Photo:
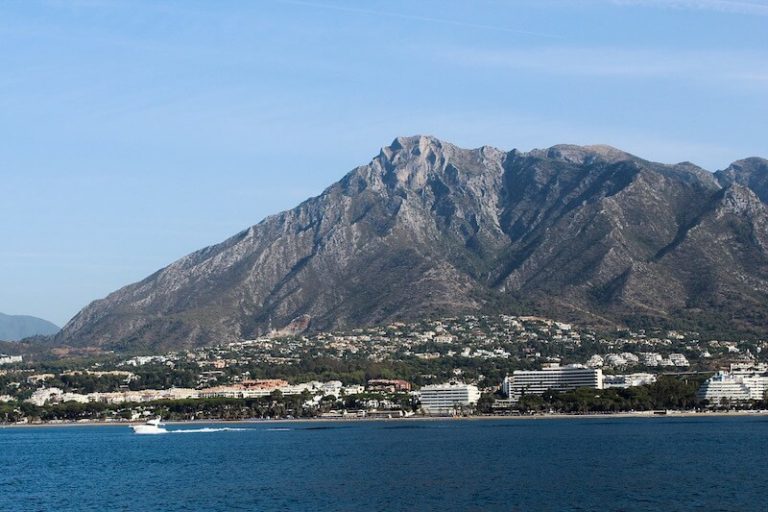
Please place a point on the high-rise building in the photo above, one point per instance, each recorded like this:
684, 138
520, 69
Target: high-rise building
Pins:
450, 398
554, 377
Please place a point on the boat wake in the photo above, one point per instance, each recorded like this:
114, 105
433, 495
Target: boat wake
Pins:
151, 433
205, 430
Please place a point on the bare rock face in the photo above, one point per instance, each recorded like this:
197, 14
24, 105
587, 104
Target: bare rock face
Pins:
750, 172
426, 228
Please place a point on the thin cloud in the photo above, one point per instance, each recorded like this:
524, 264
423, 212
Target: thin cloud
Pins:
725, 6
618, 62
412, 17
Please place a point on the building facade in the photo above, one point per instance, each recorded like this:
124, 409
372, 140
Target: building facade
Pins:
744, 382
554, 377
628, 380
9, 359
723, 387
448, 399
389, 385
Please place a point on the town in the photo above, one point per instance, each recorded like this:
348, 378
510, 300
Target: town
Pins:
468, 365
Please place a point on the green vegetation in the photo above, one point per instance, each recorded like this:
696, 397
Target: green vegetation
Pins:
162, 377
360, 369
275, 406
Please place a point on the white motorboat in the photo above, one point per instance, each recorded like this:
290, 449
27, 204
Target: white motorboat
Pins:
154, 426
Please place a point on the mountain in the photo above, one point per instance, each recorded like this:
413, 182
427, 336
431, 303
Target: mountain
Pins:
17, 327
590, 233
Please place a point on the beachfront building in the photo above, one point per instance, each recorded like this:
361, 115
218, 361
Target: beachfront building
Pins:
250, 389
745, 381
723, 387
265, 387
754, 376
628, 380
757, 385
447, 399
554, 377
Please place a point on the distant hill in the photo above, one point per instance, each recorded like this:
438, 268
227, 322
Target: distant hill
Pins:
18, 327
589, 234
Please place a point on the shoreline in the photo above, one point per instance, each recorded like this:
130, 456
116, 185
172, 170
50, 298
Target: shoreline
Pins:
534, 417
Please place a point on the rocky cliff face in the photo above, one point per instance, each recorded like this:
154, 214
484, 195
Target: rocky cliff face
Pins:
427, 228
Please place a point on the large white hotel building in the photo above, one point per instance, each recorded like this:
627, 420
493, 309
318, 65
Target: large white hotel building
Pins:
745, 381
450, 398
554, 377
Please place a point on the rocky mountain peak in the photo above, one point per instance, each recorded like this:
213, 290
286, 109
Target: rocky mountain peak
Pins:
752, 164
416, 162
751, 172
581, 155
408, 161
583, 233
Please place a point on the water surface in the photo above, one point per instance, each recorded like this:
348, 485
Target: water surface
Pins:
669, 464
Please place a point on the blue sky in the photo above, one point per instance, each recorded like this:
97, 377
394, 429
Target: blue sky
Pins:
132, 133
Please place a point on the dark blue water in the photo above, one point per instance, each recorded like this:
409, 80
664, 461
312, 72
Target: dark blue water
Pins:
561, 464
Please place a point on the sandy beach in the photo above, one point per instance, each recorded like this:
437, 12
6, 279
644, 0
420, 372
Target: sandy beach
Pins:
259, 421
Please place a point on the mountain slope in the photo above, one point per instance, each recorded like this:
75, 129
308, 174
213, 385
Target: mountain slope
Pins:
17, 327
750, 172
428, 228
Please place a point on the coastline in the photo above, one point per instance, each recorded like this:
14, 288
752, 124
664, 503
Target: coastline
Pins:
260, 421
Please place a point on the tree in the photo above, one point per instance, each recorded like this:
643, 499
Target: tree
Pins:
485, 403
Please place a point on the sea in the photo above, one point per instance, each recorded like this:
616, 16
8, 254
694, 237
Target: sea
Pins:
596, 464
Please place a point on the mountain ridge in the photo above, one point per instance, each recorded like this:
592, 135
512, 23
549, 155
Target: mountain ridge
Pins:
429, 228
18, 327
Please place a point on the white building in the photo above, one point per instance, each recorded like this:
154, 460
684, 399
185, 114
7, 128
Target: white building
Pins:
754, 376
332, 387
757, 385
616, 360
750, 367
630, 358
448, 398
9, 359
628, 380
651, 358
723, 386
43, 395
596, 361
554, 377
679, 360
72, 397
353, 390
